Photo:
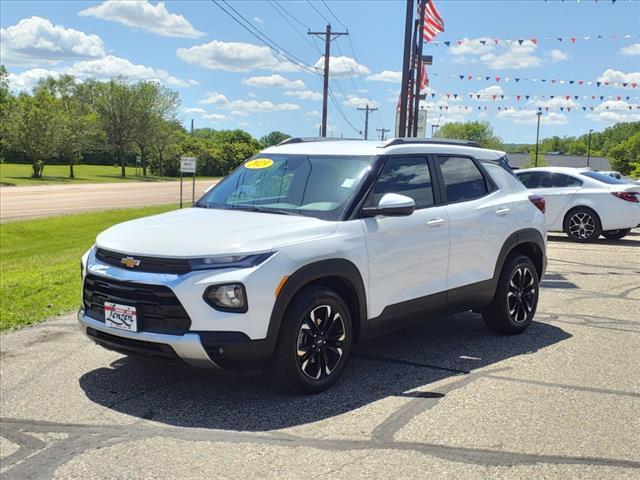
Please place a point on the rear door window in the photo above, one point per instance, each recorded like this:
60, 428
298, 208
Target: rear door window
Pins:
462, 179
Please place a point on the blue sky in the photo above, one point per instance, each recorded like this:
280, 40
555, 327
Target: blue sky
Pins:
228, 79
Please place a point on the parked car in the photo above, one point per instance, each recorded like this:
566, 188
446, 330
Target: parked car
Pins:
312, 246
584, 204
611, 173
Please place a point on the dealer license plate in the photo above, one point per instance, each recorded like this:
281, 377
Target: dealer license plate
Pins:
120, 316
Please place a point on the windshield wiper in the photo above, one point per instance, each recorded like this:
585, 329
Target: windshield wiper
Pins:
266, 210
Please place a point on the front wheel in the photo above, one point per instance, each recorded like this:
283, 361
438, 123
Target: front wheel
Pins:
582, 225
616, 234
314, 342
516, 299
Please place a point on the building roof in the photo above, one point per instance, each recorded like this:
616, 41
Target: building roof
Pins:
596, 163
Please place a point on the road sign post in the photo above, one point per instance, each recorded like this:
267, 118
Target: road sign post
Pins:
188, 165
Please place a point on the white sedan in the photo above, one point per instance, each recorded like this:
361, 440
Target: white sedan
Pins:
584, 204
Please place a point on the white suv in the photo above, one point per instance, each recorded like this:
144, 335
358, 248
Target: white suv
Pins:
314, 245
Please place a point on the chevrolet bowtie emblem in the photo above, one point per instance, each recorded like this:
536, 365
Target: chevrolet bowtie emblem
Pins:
130, 262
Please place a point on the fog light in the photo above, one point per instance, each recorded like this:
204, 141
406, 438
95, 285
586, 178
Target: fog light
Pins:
229, 297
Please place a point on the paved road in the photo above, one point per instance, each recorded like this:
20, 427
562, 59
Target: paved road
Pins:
444, 400
46, 200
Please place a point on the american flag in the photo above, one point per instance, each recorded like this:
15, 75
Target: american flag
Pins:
424, 79
433, 23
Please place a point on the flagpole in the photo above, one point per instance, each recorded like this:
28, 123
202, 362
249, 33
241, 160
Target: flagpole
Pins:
416, 115
404, 90
413, 78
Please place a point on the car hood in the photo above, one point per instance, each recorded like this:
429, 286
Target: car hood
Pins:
196, 232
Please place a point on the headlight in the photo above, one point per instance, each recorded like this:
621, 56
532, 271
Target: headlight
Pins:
228, 297
228, 261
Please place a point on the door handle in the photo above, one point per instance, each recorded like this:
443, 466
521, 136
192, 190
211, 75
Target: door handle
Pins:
435, 222
501, 212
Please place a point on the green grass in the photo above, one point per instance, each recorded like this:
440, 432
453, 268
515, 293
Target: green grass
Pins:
20, 174
40, 262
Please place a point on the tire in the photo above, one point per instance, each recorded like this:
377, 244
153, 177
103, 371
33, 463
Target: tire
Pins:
310, 356
516, 299
582, 225
616, 234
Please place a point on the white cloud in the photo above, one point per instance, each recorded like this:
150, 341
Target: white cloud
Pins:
213, 98
250, 107
614, 111
273, 81
529, 117
555, 102
312, 113
29, 78
556, 55
100, 69
473, 46
386, 76
342, 67
359, 102
516, 57
36, 40
486, 94
145, 16
233, 57
616, 76
110, 66
215, 117
630, 50
304, 94
258, 20
195, 110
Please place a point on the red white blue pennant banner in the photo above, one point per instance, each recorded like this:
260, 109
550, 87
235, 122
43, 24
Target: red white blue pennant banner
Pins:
484, 41
552, 81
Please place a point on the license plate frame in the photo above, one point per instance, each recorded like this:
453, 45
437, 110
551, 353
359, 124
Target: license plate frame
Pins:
122, 317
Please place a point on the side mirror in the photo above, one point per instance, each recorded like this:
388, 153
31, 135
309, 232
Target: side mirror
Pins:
391, 205
208, 188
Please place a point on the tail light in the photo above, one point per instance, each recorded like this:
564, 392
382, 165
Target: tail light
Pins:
628, 196
538, 201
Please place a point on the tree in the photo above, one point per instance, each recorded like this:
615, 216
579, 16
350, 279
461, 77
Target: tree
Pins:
153, 103
531, 163
115, 104
165, 135
624, 155
33, 128
77, 123
274, 138
479, 132
6, 105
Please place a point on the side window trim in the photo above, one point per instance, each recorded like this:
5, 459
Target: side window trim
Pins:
488, 181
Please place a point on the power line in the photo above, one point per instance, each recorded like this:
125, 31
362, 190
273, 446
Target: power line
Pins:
290, 14
318, 12
276, 6
334, 15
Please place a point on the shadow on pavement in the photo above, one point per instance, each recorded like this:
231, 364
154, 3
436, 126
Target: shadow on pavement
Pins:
631, 240
448, 347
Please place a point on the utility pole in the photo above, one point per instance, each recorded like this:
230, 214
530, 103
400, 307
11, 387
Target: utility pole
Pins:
589, 148
192, 127
419, 59
366, 111
539, 114
404, 89
413, 79
328, 37
382, 132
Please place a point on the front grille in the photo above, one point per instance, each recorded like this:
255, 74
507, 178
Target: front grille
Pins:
158, 309
147, 264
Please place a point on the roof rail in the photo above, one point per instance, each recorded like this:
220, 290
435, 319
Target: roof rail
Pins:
436, 141
312, 139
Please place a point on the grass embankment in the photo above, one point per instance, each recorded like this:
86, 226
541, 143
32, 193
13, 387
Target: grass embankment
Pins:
20, 174
39, 262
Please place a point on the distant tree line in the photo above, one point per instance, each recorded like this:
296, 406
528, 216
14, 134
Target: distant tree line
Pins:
65, 121
620, 143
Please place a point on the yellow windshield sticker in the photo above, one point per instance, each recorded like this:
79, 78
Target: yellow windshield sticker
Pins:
259, 163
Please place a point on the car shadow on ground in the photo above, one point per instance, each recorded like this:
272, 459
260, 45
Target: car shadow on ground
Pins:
631, 240
392, 365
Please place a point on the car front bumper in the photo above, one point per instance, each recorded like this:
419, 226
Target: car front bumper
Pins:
223, 351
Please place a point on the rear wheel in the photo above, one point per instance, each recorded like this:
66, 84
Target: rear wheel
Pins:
582, 225
314, 343
516, 298
616, 234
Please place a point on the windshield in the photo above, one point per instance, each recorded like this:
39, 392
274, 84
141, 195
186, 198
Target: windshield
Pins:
604, 178
309, 185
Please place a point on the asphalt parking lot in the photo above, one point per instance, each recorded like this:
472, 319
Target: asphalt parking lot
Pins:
443, 400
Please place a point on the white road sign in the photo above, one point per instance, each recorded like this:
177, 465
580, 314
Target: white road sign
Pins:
188, 164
